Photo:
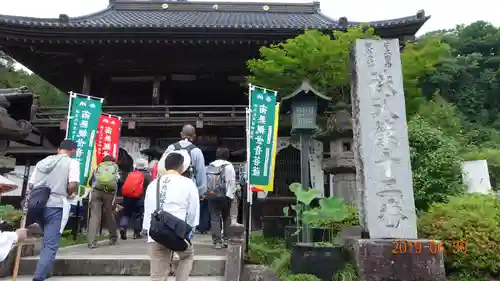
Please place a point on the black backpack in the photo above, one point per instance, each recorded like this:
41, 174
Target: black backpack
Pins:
167, 229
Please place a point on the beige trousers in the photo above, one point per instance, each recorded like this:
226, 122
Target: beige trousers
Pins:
160, 260
101, 202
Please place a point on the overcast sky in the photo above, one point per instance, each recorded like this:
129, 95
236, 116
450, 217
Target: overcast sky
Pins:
444, 14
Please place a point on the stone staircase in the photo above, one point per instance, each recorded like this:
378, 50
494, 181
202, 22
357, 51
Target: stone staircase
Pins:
127, 259
117, 278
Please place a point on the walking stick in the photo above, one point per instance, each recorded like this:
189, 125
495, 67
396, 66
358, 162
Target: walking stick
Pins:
17, 262
171, 265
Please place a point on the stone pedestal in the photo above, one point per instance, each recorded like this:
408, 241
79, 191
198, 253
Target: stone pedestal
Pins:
382, 260
235, 250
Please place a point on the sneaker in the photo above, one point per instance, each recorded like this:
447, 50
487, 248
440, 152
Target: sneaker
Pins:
113, 241
218, 246
93, 245
123, 234
137, 236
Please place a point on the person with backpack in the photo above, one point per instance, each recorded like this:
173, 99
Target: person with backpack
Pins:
171, 209
196, 171
54, 181
102, 200
221, 190
133, 192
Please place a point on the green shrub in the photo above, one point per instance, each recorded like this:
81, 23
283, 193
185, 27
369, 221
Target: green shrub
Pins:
10, 215
335, 227
348, 273
473, 220
435, 162
282, 265
263, 250
301, 277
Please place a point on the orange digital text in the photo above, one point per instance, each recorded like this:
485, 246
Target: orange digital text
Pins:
412, 247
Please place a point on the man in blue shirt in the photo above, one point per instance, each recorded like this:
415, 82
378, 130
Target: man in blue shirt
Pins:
197, 170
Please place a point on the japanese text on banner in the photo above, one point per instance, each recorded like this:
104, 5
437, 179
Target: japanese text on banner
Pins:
261, 135
270, 186
82, 127
108, 137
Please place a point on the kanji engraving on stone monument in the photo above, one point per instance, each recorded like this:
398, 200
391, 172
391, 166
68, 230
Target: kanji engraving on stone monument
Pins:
381, 141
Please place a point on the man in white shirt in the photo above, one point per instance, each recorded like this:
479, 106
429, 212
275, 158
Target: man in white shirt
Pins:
179, 197
61, 173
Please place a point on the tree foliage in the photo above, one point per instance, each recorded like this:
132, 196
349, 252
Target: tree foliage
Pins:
11, 77
435, 163
323, 59
314, 56
471, 77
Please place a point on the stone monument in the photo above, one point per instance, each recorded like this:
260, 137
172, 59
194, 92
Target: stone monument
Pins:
383, 171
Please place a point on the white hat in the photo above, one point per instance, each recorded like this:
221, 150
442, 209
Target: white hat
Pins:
141, 163
185, 165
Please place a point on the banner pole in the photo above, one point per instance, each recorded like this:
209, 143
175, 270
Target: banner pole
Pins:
248, 224
68, 116
265, 89
87, 96
111, 115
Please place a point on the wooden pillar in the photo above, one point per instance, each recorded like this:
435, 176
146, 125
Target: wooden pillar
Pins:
156, 90
86, 84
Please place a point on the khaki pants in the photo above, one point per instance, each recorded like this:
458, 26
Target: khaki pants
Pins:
160, 259
101, 202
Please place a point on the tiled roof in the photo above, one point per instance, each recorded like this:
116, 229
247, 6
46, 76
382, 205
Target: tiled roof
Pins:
221, 15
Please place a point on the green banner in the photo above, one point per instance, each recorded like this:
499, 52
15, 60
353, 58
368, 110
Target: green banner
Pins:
84, 114
261, 132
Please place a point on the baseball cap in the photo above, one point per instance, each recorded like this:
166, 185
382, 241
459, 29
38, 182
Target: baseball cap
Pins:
68, 145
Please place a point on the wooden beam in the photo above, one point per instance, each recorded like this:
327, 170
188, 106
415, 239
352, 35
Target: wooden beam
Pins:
119, 79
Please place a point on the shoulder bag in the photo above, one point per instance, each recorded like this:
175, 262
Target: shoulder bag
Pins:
167, 229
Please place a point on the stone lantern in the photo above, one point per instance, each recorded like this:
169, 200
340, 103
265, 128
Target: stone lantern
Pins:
341, 162
305, 104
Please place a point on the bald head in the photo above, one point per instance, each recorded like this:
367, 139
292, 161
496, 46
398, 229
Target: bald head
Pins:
188, 132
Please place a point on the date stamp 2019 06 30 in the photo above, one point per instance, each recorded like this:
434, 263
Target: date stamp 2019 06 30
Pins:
409, 247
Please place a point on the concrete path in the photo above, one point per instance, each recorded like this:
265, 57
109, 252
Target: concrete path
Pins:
115, 278
202, 247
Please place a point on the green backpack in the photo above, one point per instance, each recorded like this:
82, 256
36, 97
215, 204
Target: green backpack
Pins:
106, 176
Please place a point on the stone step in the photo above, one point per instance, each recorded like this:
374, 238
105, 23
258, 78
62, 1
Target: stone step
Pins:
135, 265
116, 278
